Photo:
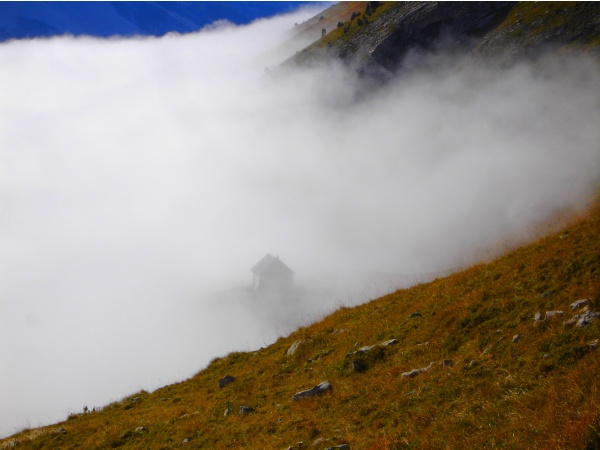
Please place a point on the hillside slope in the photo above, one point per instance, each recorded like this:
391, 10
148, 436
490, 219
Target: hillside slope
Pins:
496, 376
492, 356
377, 37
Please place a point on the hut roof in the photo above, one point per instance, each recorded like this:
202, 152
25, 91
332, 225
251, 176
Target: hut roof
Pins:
269, 262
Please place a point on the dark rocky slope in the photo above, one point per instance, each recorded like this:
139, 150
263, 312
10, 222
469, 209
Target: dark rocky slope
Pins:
505, 30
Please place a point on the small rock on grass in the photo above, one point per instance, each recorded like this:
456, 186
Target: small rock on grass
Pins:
293, 348
319, 389
226, 380
516, 338
413, 373
246, 409
586, 319
578, 304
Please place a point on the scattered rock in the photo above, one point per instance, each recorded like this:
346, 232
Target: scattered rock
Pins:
339, 447
60, 430
299, 444
228, 411
473, 363
548, 293
141, 429
246, 409
554, 313
293, 348
136, 400
319, 389
578, 304
186, 440
368, 348
416, 314
359, 366
538, 317
226, 380
447, 363
583, 320
413, 373
593, 344
318, 441
516, 337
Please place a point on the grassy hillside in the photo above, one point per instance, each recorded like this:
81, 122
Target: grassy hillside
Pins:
540, 391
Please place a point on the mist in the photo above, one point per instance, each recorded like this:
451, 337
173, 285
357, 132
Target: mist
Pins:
141, 179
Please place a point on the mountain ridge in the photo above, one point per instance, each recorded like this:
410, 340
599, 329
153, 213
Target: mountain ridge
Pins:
498, 31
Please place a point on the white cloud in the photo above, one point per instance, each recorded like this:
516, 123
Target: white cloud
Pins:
138, 175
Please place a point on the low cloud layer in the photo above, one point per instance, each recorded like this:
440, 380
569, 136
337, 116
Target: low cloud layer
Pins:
141, 179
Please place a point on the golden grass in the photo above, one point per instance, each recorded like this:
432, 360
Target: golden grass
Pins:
540, 392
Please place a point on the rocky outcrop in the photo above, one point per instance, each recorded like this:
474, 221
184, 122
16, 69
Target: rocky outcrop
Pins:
505, 31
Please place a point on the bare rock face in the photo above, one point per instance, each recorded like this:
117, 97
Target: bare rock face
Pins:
381, 46
319, 389
498, 32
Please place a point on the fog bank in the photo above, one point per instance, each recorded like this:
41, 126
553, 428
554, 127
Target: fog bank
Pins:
141, 179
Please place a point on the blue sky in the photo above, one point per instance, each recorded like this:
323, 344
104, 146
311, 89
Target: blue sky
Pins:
104, 19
